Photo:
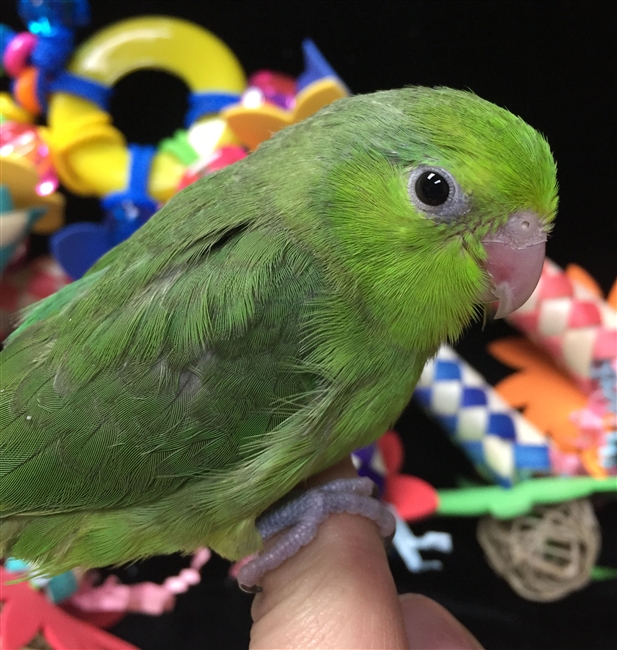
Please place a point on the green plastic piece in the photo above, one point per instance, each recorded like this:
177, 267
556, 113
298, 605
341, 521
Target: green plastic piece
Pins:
506, 503
603, 573
178, 146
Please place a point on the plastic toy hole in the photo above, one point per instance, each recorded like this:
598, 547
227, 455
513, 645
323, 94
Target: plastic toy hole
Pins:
5, 81
149, 105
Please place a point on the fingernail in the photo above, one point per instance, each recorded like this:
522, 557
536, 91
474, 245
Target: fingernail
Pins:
431, 627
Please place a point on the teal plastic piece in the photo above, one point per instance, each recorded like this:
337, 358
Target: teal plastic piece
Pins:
61, 587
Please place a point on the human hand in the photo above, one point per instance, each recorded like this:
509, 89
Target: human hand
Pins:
338, 592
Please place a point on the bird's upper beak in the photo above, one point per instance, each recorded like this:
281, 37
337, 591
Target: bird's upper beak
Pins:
515, 255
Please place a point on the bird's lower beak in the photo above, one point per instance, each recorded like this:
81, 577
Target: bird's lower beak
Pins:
515, 255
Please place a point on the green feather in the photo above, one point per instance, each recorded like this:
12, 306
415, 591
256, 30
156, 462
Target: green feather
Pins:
268, 320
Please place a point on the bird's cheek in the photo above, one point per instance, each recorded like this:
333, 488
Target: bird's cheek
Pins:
515, 255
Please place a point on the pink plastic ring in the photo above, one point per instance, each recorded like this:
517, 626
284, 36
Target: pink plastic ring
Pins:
17, 53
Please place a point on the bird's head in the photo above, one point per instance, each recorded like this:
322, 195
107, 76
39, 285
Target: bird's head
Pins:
442, 203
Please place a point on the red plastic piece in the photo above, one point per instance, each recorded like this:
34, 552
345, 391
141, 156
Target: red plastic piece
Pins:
220, 158
412, 497
26, 612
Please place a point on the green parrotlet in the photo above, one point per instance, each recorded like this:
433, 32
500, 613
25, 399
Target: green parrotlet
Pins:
272, 317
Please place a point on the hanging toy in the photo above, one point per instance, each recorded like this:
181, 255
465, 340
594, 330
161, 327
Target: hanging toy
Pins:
36, 58
91, 155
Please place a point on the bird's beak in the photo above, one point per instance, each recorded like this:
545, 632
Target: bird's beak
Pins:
515, 255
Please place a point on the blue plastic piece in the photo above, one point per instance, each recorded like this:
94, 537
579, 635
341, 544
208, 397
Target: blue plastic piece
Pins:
501, 424
44, 17
78, 246
93, 91
445, 370
449, 422
53, 21
315, 66
207, 102
608, 453
475, 451
532, 457
6, 36
130, 209
423, 395
50, 56
473, 397
364, 461
604, 373
52, 52
42, 90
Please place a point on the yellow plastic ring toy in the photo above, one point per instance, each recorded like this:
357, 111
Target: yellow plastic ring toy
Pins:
90, 154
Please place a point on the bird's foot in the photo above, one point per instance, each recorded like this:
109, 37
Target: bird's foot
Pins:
303, 516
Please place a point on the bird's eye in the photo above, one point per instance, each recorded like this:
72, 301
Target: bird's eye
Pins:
434, 191
432, 188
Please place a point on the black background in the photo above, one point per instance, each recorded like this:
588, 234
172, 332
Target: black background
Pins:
550, 62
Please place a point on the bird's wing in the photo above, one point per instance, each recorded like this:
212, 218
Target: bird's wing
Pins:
130, 383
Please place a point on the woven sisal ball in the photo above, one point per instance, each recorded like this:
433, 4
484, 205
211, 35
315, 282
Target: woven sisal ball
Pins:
546, 554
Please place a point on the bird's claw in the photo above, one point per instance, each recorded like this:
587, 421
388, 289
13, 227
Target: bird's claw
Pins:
302, 517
